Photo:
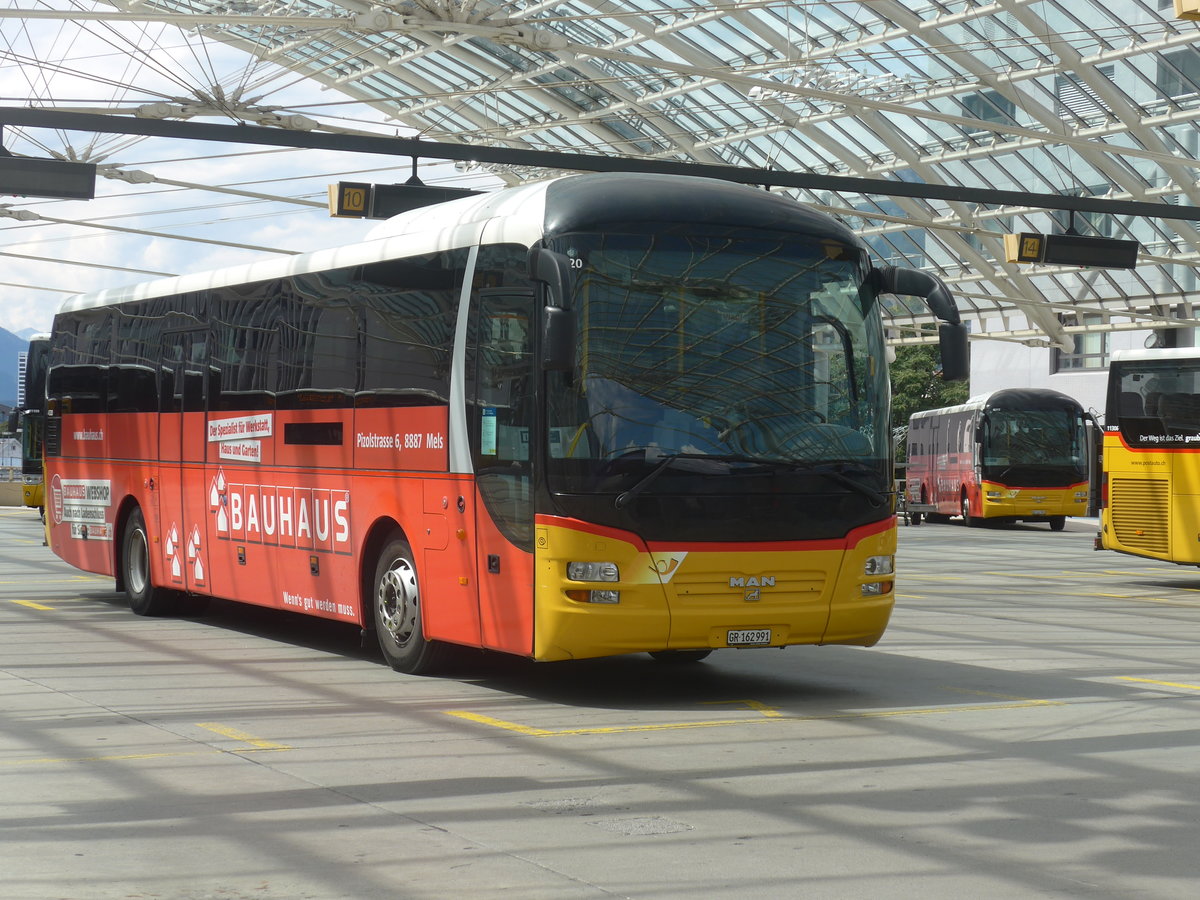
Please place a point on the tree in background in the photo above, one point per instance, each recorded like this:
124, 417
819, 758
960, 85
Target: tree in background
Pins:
917, 384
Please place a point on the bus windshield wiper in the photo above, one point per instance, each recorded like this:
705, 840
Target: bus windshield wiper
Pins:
768, 463
664, 462
826, 468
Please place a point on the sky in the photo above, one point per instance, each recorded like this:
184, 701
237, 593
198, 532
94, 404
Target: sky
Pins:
81, 246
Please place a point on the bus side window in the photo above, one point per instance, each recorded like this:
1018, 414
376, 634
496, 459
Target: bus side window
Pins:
245, 346
335, 350
410, 308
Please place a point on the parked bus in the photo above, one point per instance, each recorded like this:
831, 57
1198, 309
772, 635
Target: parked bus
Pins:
1151, 496
32, 417
597, 415
1014, 455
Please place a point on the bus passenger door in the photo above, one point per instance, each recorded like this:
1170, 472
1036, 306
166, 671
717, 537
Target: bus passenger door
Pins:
503, 437
183, 442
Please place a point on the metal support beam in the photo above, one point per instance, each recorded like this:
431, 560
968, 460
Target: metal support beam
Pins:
548, 159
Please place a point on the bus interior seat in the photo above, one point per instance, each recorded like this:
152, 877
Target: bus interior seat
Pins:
1129, 403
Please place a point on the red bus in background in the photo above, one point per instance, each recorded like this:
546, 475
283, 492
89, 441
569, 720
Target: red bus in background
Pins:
595, 415
1014, 455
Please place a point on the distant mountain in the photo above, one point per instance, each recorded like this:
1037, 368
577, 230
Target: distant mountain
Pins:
11, 346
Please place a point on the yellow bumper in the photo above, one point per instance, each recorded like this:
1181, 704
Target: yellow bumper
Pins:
702, 596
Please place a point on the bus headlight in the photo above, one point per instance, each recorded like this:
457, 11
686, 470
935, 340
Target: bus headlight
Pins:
594, 571
879, 565
874, 567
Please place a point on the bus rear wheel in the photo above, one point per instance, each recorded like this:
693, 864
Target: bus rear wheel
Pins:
144, 598
397, 611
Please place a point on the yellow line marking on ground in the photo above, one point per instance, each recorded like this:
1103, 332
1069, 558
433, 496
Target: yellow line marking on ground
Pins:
258, 746
1032, 574
1141, 574
74, 579
1005, 697
1174, 684
530, 731
1162, 601
31, 604
49, 760
770, 712
499, 723
234, 734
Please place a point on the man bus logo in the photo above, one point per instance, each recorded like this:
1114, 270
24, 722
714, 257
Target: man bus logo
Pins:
753, 586
285, 516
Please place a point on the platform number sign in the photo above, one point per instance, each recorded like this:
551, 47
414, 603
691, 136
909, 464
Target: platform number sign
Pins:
350, 199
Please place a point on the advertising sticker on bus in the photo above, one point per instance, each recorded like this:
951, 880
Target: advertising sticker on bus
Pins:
83, 503
281, 515
408, 438
238, 437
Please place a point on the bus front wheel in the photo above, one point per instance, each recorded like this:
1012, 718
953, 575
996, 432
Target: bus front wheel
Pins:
970, 520
1058, 523
397, 605
677, 657
144, 598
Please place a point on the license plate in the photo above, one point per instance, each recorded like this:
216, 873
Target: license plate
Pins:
1039, 512
748, 637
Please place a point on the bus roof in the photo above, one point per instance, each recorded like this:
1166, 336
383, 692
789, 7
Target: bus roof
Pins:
458, 221
1156, 353
520, 215
1008, 398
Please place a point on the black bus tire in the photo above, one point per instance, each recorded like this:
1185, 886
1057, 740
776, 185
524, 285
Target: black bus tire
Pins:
678, 657
396, 606
970, 520
1058, 523
144, 598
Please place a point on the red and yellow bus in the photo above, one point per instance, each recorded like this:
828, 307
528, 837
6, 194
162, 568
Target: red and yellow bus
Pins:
597, 415
1013, 455
1151, 488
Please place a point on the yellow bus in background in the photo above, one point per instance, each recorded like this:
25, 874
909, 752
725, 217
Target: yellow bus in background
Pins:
32, 423
1151, 486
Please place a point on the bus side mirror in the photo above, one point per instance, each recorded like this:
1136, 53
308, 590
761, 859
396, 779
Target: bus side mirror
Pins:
558, 339
550, 269
952, 333
956, 355
915, 283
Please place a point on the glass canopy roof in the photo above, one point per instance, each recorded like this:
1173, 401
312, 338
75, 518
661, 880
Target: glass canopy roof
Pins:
1094, 98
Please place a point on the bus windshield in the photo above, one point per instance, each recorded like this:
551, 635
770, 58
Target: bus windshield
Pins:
1029, 446
729, 353
1155, 402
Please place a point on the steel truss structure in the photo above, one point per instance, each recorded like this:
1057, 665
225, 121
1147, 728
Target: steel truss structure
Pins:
1079, 98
